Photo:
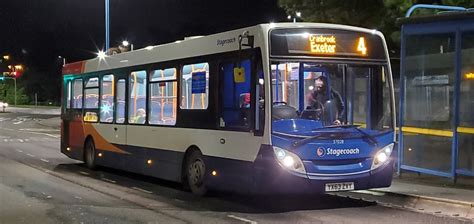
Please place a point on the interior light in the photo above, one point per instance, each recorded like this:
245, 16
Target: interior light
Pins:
261, 81
311, 87
125, 43
214, 173
100, 154
149, 162
68, 149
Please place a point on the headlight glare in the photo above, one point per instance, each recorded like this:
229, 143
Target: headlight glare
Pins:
289, 160
382, 156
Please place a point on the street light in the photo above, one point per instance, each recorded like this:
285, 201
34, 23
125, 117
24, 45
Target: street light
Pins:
127, 44
101, 54
62, 58
297, 15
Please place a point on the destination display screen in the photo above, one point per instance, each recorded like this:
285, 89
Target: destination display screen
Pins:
325, 43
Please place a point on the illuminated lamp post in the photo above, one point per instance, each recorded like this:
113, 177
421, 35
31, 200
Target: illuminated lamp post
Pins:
297, 15
127, 44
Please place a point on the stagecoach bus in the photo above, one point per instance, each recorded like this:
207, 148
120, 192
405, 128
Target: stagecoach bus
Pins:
273, 108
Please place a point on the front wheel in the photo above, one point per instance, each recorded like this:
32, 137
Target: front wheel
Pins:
89, 154
195, 173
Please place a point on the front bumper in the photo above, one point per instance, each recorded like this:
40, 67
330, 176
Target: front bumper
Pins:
271, 178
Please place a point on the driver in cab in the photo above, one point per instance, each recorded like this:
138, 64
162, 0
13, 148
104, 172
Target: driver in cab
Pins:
323, 94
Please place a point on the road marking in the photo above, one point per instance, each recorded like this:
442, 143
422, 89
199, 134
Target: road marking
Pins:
19, 150
109, 180
21, 140
84, 173
31, 132
242, 219
30, 155
38, 130
46, 161
142, 190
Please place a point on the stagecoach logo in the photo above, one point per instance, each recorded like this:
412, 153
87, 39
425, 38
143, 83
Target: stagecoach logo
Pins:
221, 43
321, 152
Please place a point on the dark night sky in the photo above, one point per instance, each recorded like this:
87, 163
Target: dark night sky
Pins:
38, 31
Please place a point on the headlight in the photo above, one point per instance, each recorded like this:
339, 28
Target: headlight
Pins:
289, 160
382, 156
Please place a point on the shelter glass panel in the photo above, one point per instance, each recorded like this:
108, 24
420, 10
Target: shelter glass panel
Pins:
429, 77
466, 105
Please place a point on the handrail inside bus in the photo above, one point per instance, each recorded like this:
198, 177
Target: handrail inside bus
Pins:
427, 6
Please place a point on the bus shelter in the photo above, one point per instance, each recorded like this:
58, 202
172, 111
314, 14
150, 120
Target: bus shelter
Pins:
437, 95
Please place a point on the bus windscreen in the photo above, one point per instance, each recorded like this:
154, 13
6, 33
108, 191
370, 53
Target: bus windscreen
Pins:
326, 43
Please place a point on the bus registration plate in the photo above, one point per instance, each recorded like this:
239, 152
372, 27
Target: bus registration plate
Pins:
347, 186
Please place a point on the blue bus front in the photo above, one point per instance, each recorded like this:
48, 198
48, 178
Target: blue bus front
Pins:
332, 112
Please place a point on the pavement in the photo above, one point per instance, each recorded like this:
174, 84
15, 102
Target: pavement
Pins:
38, 184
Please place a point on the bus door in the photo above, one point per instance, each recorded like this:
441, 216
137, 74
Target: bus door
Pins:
237, 103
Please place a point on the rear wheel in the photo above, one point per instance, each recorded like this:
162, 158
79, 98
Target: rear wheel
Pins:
89, 154
195, 171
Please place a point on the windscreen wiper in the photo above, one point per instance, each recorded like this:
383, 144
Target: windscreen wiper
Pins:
366, 137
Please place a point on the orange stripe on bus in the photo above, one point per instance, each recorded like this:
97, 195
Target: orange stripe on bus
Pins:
99, 141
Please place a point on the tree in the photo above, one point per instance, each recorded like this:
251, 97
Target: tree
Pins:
372, 14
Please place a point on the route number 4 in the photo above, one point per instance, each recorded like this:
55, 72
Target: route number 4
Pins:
361, 46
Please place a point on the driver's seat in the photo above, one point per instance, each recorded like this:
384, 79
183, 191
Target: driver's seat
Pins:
283, 111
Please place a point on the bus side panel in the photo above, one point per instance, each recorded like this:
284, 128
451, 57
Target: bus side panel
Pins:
165, 164
230, 175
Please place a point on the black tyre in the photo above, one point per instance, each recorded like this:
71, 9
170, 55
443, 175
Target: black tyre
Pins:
89, 154
195, 171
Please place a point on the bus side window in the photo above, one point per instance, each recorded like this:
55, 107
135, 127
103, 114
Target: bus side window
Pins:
120, 102
77, 94
162, 94
68, 94
195, 86
235, 97
107, 96
137, 98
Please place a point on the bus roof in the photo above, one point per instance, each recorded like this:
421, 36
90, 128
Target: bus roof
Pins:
191, 47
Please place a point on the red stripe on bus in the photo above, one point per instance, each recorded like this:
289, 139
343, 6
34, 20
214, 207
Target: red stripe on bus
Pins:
74, 68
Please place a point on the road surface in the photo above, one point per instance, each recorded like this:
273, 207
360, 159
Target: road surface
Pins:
40, 185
